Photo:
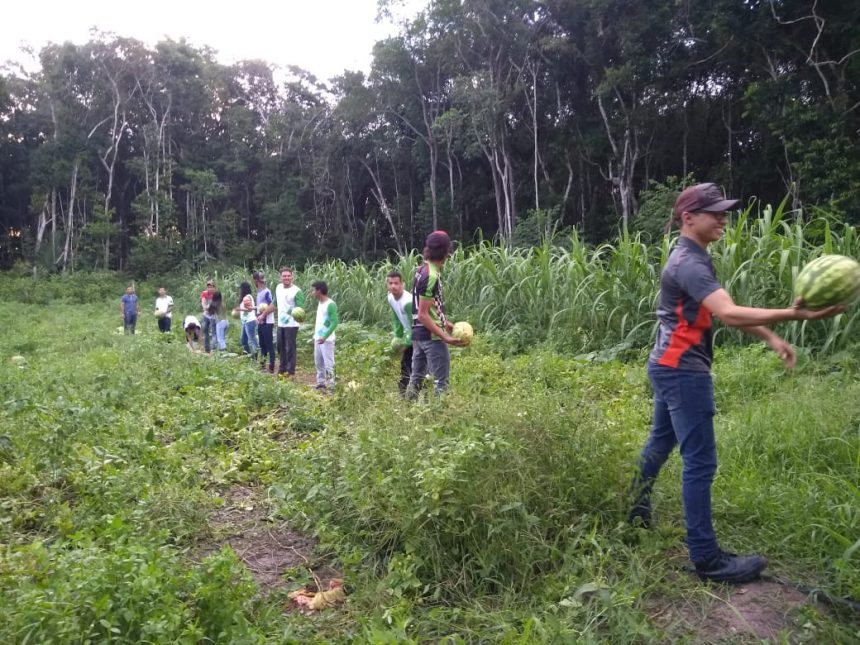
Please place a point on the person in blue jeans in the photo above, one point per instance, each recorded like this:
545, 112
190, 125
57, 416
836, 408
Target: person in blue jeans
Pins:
218, 312
248, 317
265, 321
209, 319
129, 308
679, 369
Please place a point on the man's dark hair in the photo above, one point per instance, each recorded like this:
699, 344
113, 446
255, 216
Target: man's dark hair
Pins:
437, 246
244, 290
395, 274
320, 286
285, 269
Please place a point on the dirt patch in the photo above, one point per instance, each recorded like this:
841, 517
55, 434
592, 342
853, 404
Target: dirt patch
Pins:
267, 548
752, 612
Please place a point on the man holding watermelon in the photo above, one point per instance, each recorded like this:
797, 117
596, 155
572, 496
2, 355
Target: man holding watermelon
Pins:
431, 331
679, 369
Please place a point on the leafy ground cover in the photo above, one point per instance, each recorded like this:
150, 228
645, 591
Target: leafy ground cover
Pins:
142, 488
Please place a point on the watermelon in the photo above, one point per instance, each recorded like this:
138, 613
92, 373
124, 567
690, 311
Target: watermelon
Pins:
396, 343
827, 281
299, 314
463, 331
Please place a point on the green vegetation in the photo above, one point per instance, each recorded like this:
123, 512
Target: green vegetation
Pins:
497, 118
494, 514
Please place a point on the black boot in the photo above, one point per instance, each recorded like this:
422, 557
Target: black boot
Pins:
728, 567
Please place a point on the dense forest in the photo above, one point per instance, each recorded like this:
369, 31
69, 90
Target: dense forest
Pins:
490, 118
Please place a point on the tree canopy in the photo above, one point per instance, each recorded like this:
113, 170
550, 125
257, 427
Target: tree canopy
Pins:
484, 117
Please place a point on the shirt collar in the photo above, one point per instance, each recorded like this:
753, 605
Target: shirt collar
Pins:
690, 245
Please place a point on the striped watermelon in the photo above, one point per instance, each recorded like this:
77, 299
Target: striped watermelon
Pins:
828, 280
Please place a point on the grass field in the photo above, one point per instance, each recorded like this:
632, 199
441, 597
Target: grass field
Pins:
495, 514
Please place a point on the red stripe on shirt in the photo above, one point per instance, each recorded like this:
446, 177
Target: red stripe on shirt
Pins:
685, 335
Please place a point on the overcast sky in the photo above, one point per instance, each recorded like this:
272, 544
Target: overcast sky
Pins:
322, 36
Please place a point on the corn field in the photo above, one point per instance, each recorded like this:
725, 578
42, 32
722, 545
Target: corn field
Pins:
577, 298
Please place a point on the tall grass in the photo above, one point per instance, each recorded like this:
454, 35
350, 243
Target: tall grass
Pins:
578, 298
564, 294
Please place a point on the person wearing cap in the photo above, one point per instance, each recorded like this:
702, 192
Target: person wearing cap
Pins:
679, 369
265, 320
431, 331
209, 319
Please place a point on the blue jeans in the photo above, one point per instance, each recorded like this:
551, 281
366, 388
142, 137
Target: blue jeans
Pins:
684, 416
208, 329
221, 333
267, 343
249, 337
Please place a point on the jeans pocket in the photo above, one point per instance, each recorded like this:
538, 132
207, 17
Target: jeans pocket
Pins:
697, 392
683, 389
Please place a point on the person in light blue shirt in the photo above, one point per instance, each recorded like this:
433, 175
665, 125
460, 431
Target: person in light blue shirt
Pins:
129, 308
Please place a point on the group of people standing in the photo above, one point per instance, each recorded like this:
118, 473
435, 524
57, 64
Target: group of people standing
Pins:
267, 318
421, 331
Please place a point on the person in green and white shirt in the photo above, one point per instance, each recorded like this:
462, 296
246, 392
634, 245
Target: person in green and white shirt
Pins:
324, 336
400, 301
431, 330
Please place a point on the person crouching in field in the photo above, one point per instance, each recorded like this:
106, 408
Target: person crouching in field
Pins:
265, 320
430, 329
164, 310
679, 369
248, 318
324, 336
129, 308
192, 332
400, 302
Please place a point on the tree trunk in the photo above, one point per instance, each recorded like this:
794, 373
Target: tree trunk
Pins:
377, 193
66, 259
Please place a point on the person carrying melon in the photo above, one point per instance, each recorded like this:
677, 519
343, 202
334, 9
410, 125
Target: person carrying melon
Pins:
431, 331
679, 369
288, 297
164, 310
400, 302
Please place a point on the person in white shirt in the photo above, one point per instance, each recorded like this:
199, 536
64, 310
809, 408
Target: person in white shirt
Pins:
164, 310
400, 302
288, 297
247, 313
192, 332
324, 336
